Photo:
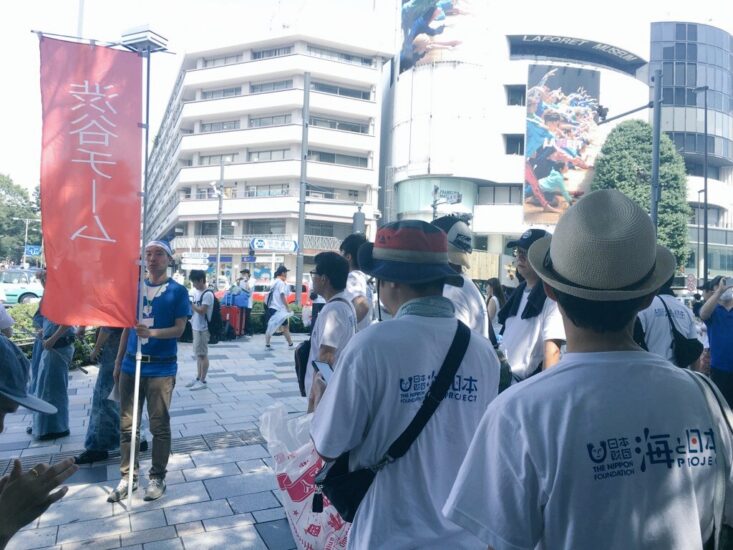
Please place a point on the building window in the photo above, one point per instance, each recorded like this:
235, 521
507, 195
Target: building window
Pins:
353, 194
513, 144
272, 52
211, 228
219, 126
327, 53
272, 190
208, 160
185, 193
231, 192
266, 227
323, 229
277, 120
346, 126
223, 60
275, 154
516, 94
205, 192
337, 158
500, 194
340, 90
270, 86
223, 92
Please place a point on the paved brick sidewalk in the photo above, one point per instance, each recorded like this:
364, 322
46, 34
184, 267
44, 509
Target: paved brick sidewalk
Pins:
221, 491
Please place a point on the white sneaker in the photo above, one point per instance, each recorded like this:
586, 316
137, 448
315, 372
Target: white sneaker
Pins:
199, 385
192, 383
155, 489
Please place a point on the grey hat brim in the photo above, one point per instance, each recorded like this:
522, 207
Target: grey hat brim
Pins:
31, 402
664, 267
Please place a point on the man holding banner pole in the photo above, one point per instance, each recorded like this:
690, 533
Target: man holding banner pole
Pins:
162, 320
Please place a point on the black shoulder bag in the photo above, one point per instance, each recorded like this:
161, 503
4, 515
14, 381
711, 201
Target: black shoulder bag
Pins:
686, 350
347, 489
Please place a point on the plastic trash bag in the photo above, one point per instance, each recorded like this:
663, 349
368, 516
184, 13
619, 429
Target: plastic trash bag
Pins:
296, 464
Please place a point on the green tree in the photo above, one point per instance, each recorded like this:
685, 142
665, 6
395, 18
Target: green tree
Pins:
15, 203
625, 163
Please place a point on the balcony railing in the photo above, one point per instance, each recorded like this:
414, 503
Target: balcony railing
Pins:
241, 242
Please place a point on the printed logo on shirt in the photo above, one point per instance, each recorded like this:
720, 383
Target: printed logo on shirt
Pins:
413, 388
619, 457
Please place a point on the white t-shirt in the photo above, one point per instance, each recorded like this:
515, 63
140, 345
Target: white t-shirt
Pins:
469, 304
279, 287
356, 285
6, 321
335, 325
523, 341
202, 298
495, 319
604, 450
379, 384
657, 332
246, 285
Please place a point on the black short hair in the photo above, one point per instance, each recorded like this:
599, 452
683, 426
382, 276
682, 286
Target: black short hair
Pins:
335, 267
431, 287
600, 317
197, 275
350, 245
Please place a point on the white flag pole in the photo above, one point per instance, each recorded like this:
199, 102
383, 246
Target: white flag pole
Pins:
140, 304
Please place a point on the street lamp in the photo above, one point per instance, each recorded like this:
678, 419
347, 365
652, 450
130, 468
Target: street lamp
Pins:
705, 89
219, 190
697, 220
25, 241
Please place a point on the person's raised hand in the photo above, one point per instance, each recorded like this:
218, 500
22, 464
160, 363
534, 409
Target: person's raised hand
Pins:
26, 495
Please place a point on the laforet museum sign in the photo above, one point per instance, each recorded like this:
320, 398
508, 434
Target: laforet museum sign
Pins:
566, 48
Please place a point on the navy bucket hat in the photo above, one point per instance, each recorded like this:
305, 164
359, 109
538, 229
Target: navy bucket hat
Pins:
408, 251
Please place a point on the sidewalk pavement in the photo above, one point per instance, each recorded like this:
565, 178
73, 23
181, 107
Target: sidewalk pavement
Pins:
221, 490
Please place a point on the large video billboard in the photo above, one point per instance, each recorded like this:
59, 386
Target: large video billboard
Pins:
562, 140
442, 30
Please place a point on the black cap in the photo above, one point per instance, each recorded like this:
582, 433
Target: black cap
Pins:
711, 284
527, 238
280, 270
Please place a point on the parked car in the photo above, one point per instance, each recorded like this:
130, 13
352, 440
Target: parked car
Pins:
261, 288
20, 286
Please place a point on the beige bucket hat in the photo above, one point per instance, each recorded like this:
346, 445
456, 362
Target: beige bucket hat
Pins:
604, 249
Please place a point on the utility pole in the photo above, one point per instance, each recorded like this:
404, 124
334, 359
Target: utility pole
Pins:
25, 240
220, 192
303, 188
656, 136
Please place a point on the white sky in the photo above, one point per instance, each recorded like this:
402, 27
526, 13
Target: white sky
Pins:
192, 25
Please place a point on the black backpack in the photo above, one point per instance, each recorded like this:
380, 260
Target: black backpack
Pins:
215, 324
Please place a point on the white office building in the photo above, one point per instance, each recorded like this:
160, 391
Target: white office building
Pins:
235, 122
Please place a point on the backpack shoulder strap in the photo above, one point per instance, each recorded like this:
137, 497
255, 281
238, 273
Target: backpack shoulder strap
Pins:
434, 395
669, 315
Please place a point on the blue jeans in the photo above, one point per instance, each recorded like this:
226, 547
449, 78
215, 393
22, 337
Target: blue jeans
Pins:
103, 433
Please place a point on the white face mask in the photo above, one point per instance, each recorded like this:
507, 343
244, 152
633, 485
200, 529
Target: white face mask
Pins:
727, 295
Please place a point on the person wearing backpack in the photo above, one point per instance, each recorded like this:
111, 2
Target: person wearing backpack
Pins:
203, 305
658, 321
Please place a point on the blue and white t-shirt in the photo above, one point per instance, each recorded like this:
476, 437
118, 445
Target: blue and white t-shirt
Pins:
604, 450
162, 305
379, 383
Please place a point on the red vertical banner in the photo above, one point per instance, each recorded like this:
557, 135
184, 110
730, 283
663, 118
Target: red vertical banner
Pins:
90, 182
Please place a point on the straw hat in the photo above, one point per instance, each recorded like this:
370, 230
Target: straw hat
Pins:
604, 249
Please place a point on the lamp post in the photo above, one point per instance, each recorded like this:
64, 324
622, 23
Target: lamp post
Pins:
705, 89
697, 220
25, 240
219, 189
